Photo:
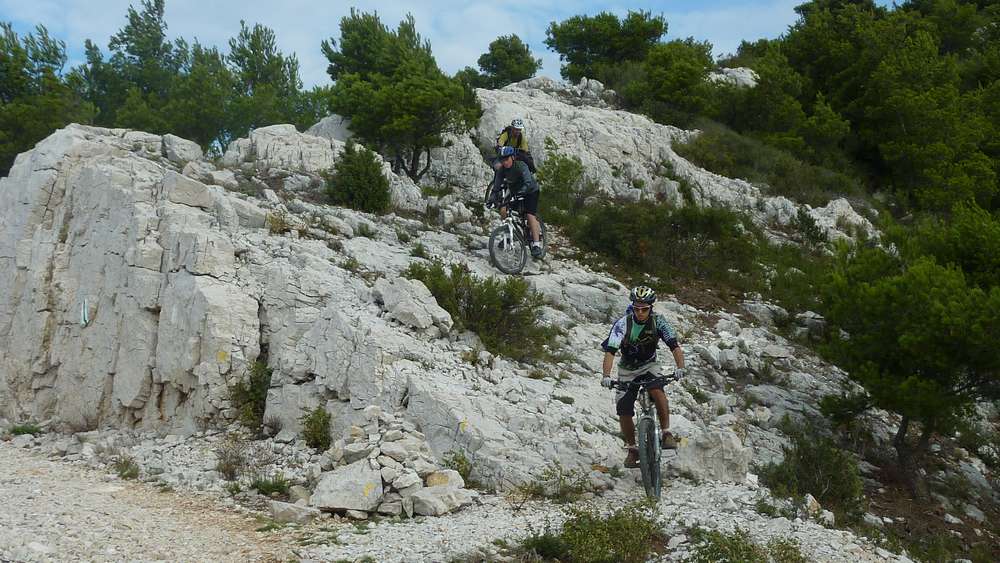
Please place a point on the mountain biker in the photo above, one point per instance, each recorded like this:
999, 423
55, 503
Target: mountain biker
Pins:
521, 182
637, 335
513, 136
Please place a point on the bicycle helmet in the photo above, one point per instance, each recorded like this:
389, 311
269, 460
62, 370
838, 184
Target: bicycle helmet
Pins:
506, 151
642, 294
517, 123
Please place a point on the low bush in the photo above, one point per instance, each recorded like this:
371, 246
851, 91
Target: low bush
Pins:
357, 181
316, 428
714, 546
238, 457
22, 429
814, 464
727, 153
557, 483
457, 460
504, 313
625, 535
689, 243
566, 190
278, 223
268, 486
125, 466
249, 396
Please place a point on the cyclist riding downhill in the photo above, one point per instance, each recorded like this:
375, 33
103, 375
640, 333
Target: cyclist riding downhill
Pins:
637, 335
518, 179
513, 136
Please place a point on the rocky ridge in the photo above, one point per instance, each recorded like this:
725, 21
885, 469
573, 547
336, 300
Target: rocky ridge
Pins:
139, 281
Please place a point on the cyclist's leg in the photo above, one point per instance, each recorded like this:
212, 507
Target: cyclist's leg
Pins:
531, 211
625, 409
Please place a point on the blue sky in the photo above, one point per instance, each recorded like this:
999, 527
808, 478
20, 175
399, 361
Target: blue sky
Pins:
459, 31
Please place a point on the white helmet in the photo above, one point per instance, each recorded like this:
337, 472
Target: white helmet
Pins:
517, 123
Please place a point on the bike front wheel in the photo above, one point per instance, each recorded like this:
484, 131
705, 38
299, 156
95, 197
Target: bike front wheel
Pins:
649, 457
507, 249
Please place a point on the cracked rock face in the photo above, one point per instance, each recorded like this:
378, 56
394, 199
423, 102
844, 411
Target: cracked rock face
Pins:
136, 290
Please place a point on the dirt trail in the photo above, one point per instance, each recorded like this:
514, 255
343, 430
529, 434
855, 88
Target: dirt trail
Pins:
53, 511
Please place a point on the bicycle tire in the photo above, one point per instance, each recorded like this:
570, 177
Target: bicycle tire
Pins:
511, 257
649, 458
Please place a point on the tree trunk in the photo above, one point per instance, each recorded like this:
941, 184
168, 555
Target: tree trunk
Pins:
906, 456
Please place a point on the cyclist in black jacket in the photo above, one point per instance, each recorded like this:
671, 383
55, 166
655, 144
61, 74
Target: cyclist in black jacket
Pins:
521, 182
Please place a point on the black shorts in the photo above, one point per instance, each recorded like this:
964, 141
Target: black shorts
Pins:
530, 203
625, 400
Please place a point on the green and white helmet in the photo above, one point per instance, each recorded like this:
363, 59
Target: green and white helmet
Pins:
642, 294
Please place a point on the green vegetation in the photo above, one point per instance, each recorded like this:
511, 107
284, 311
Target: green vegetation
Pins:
125, 466
813, 464
277, 484
730, 154
316, 428
503, 312
249, 396
357, 181
556, 483
508, 60
390, 87
28, 428
625, 535
714, 546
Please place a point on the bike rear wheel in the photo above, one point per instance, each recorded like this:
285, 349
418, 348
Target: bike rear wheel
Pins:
649, 457
508, 251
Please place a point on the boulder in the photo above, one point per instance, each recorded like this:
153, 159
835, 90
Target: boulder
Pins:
180, 151
436, 501
411, 303
715, 454
294, 513
351, 487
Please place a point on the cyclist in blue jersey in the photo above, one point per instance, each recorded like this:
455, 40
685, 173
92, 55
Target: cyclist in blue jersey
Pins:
636, 336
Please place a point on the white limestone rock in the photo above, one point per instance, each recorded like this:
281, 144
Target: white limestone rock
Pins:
715, 454
351, 487
180, 151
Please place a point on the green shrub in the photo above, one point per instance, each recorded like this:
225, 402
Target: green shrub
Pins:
457, 460
813, 464
277, 483
625, 535
237, 456
557, 483
701, 243
316, 428
278, 223
561, 177
419, 251
125, 466
812, 232
357, 181
249, 396
727, 153
713, 546
28, 428
785, 550
504, 313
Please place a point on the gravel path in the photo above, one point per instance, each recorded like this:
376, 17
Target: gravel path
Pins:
53, 511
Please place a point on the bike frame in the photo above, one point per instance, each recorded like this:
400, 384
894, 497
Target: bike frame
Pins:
649, 465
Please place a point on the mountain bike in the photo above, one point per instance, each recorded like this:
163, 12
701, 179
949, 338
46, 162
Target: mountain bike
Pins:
509, 243
647, 434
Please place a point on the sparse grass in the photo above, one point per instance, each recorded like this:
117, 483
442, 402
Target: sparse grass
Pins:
233, 488
696, 393
626, 535
419, 251
316, 428
238, 457
351, 264
436, 191
125, 466
23, 429
249, 396
713, 546
564, 399
365, 230
268, 486
556, 483
278, 223
457, 460
403, 236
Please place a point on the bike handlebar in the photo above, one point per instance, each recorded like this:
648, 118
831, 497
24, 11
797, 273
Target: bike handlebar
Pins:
624, 385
